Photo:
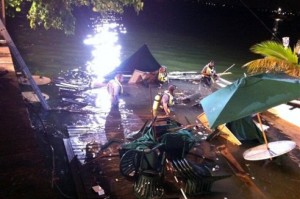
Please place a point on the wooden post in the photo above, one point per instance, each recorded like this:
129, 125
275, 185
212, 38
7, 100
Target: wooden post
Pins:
22, 64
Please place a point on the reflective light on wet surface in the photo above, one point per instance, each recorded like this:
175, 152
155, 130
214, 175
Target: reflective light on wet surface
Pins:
106, 49
103, 100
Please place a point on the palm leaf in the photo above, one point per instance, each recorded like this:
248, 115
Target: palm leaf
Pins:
276, 59
269, 64
275, 50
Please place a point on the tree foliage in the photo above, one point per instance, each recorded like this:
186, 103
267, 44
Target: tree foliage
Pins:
277, 58
58, 14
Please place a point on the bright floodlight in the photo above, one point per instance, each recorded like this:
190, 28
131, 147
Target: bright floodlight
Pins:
106, 53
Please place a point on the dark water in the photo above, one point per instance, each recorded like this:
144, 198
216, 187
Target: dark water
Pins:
181, 37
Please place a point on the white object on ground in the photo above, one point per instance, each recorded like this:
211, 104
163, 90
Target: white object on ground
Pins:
32, 97
265, 127
98, 190
285, 112
275, 149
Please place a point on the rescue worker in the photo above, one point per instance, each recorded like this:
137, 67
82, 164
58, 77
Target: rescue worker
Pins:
162, 75
115, 89
209, 74
164, 101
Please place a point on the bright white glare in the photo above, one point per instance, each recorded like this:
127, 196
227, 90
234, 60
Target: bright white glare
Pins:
279, 10
103, 100
106, 50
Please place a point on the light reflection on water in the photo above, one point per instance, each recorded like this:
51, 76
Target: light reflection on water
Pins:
102, 100
106, 48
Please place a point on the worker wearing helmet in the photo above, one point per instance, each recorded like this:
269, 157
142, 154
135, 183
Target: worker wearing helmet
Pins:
165, 101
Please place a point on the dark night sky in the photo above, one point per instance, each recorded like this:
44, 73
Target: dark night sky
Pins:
289, 5
254, 13
260, 4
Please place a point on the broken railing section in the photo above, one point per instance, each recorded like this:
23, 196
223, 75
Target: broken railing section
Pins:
22, 64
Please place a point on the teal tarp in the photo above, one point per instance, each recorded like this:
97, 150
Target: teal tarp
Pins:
245, 129
178, 143
145, 141
249, 95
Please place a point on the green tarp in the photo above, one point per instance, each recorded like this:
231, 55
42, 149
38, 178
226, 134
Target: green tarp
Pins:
245, 129
249, 95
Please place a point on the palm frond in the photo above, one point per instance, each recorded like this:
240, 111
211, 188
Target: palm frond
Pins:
270, 64
275, 50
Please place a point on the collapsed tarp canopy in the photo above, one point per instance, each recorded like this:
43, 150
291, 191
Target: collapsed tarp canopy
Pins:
245, 129
141, 60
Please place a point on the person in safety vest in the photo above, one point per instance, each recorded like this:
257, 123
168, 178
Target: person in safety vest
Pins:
162, 75
115, 89
209, 74
164, 101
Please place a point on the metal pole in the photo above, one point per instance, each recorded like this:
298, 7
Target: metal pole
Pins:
22, 64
